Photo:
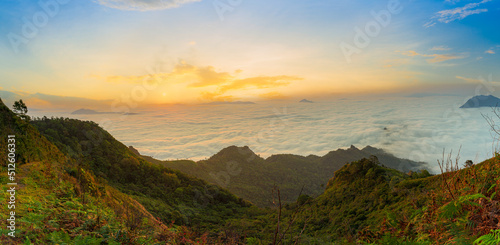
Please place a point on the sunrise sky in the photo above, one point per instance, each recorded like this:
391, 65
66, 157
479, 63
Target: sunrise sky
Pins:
192, 51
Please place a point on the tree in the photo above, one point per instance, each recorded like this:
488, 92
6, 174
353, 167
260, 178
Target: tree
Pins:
21, 110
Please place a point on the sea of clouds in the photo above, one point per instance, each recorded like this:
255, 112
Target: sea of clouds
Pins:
408, 127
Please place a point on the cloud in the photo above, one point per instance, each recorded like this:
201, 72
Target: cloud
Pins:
216, 83
440, 48
410, 53
207, 76
436, 58
459, 13
144, 5
488, 82
315, 130
182, 72
260, 82
443, 57
217, 96
131, 79
43, 101
37, 102
469, 80
272, 95
492, 50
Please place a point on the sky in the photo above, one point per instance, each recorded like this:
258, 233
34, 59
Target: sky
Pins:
198, 51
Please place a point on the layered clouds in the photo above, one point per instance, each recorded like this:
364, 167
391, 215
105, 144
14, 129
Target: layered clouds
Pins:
144, 5
457, 13
434, 58
415, 128
206, 83
262, 50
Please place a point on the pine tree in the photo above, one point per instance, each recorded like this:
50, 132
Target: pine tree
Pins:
21, 110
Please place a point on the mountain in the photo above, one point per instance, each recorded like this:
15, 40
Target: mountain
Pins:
229, 103
367, 203
168, 194
78, 185
89, 112
31, 146
75, 184
251, 177
305, 101
482, 101
56, 202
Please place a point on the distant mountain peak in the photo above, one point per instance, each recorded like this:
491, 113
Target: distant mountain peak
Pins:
84, 111
369, 147
482, 101
306, 101
234, 153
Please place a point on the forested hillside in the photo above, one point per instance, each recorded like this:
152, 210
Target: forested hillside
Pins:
253, 178
168, 194
367, 203
77, 184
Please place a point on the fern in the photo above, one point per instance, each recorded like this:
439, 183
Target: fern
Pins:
80, 240
494, 193
492, 238
389, 240
453, 208
59, 237
491, 187
27, 242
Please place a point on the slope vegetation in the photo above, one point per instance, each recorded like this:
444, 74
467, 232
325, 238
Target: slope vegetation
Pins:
367, 203
78, 185
253, 178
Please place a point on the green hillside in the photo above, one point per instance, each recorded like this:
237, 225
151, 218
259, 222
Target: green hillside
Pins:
168, 194
251, 177
367, 203
77, 184
52, 206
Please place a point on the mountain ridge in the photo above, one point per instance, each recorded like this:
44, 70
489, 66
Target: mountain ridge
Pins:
79, 185
237, 168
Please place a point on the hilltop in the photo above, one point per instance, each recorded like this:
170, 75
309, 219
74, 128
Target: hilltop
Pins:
84, 111
79, 185
54, 204
306, 101
481, 101
251, 177
367, 203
